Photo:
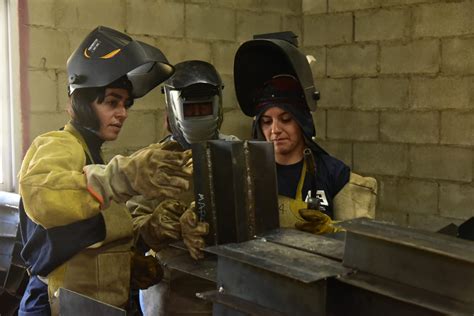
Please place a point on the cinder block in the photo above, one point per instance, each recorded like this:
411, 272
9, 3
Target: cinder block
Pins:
431, 223
42, 88
89, 14
223, 56
41, 12
351, 5
335, 93
314, 6
228, 94
232, 3
210, 23
352, 60
41, 123
281, 6
390, 25
388, 3
319, 119
441, 162
237, 124
443, 19
251, 23
440, 93
340, 150
318, 67
250, 5
327, 29
457, 128
382, 159
456, 200
380, 93
410, 127
415, 57
52, 55
177, 50
155, 18
457, 56
293, 23
408, 195
138, 130
351, 125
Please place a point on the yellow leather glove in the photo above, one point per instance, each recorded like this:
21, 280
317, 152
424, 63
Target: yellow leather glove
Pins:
193, 231
146, 271
163, 224
316, 222
152, 172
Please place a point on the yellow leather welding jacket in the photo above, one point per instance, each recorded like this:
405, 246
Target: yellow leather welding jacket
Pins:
54, 191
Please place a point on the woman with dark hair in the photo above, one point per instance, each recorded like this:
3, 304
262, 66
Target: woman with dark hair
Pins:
76, 231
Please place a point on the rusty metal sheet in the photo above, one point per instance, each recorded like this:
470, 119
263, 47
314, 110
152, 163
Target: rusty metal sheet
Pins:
292, 263
441, 264
317, 244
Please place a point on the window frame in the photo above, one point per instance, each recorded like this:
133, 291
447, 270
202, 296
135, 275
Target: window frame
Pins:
10, 132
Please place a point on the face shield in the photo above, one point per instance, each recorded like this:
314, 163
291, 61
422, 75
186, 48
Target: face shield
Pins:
194, 118
194, 102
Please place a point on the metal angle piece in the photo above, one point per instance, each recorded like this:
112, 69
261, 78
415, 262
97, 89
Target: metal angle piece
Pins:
408, 294
317, 244
441, 264
292, 263
204, 268
236, 303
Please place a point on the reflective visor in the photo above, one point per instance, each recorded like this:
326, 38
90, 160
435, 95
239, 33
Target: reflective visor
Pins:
192, 109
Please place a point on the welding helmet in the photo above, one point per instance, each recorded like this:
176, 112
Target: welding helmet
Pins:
111, 59
268, 55
194, 102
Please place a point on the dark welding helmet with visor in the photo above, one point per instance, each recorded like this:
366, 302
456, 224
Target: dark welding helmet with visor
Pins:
107, 55
194, 102
268, 55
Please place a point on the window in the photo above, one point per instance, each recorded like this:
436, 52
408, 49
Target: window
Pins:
7, 156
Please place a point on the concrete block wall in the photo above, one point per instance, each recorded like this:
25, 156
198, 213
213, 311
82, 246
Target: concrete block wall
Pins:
209, 30
397, 86
396, 79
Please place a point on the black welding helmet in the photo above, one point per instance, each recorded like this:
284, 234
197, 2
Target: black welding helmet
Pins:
107, 55
259, 60
194, 102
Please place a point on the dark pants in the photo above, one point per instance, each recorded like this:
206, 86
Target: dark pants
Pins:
35, 300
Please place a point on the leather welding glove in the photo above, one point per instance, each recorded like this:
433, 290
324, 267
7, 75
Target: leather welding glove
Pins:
163, 224
316, 222
193, 231
151, 172
145, 271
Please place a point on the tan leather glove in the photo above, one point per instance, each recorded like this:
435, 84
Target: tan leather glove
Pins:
146, 271
163, 224
151, 172
193, 231
316, 222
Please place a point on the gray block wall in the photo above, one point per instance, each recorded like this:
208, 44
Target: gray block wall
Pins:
396, 79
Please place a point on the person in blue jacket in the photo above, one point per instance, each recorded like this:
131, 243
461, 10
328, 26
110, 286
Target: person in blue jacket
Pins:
274, 84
